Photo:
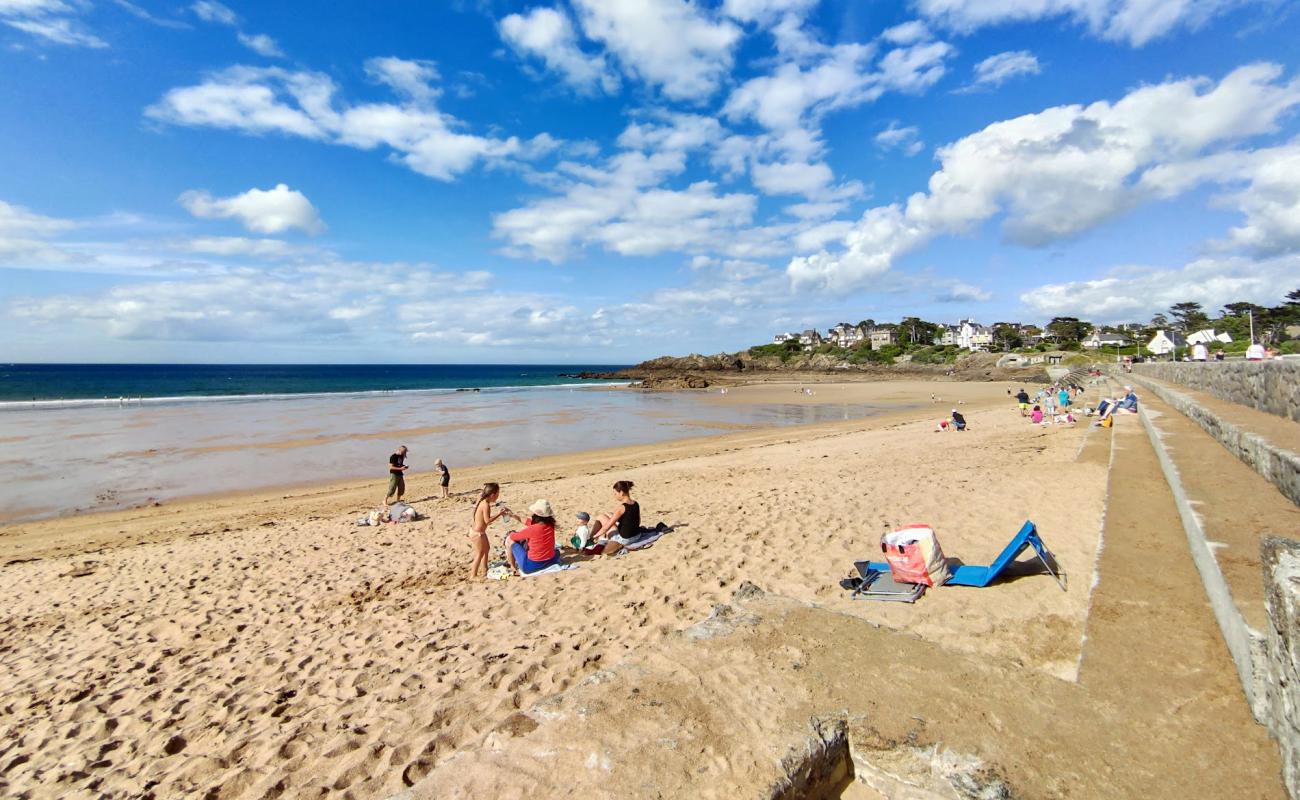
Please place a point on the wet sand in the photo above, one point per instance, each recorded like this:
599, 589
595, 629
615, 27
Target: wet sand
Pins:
59, 461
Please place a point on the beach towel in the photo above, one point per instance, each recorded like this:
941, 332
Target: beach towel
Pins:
648, 537
551, 570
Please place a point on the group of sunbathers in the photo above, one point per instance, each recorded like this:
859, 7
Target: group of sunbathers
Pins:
532, 548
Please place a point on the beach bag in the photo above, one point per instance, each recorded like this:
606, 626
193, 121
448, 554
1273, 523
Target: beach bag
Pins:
914, 556
1108, 422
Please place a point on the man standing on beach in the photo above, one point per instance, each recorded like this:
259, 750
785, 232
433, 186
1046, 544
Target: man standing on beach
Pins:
396, 475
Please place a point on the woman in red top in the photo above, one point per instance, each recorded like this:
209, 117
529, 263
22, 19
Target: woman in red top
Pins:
533, 548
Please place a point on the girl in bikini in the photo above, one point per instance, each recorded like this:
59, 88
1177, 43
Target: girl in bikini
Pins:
483, 517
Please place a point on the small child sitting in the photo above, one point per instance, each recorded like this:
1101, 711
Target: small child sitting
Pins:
581, 538
1037, 416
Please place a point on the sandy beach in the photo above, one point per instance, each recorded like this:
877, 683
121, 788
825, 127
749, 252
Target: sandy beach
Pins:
260, 644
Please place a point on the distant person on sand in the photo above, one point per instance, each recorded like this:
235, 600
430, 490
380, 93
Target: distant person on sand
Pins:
1037, 416
483, 517
444, 477
1063, 398
958, 420
532, 548
622, 526
1022, 397
396, 475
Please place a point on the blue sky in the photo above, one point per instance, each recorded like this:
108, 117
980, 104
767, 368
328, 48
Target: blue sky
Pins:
583, 181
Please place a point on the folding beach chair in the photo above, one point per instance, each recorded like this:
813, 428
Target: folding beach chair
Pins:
874, 584
970, 575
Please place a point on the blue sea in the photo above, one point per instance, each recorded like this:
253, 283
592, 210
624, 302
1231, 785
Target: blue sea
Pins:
28, 383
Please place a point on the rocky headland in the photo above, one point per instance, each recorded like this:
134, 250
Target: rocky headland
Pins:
728, 369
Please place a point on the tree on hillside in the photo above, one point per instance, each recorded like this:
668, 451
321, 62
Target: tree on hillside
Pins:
866, 325
1191, 317
1236, 318
914, 330
1006, 335
1068, 329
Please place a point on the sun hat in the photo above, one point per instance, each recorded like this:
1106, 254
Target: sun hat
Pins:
542, 508
584, 516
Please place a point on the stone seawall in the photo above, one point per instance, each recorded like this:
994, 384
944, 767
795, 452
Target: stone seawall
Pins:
1281, 559
1271, 386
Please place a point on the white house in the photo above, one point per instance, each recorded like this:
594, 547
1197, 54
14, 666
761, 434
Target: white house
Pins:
782, 338
1162, 344
948, 335
846, 335
883, 337
810, 339
1208, 335
1097, 339
974, 336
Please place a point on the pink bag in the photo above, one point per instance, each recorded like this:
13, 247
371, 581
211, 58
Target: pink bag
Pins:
914, 556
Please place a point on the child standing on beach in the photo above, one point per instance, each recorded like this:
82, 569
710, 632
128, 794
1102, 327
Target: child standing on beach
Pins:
483, 517
444, 478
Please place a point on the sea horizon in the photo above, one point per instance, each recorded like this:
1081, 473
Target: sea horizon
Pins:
24, 385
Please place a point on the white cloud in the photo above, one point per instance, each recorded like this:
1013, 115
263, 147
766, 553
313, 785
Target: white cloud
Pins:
998, 69
791, 178
243, 246
667, 43
548, 34
1133, 21
409, 78
218, 14
53, 21
960, 292
906, 139
214, 12
273, 100
259, 210
267, 303
907, 33
24, 238
1263, 184
619, 205
1058, 172
261, 44
809, 81
765, 11
1132, 294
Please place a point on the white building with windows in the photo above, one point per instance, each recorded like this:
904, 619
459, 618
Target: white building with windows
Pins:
1097, 340
810, 339
974, 336
846, 335
1162, 344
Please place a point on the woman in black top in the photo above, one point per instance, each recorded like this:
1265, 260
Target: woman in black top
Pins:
621, 526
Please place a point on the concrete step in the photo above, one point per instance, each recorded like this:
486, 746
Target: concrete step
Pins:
1268, 443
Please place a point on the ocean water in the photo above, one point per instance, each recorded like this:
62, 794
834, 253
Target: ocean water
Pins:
56, 384
73, 456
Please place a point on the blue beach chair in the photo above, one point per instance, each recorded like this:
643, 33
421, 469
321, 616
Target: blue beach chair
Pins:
969, 575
